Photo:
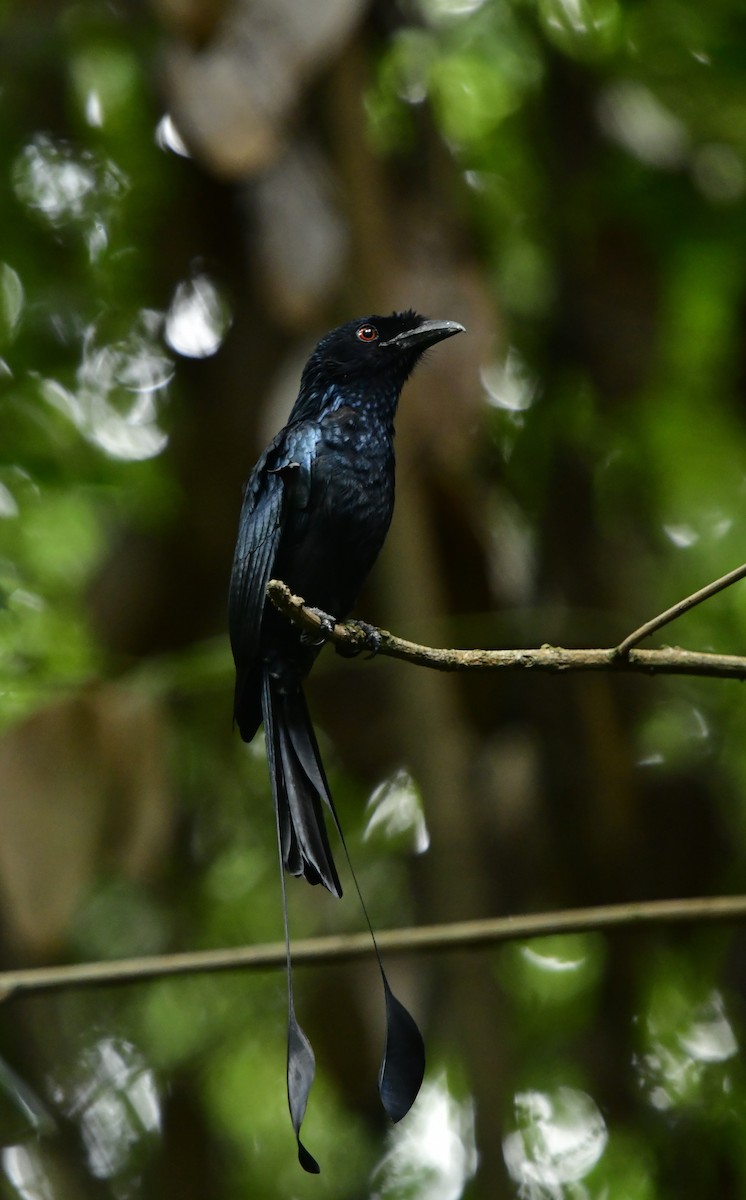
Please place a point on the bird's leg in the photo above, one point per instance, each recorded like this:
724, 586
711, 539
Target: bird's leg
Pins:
371, 642
325, 630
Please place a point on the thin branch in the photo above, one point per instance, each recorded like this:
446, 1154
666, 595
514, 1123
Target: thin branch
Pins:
669, 660
427, 939
676, 610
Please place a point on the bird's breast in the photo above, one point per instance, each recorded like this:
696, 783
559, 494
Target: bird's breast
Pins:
348, 509
356, 467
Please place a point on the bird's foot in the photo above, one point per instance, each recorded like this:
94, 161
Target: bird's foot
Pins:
370, 640
325, 630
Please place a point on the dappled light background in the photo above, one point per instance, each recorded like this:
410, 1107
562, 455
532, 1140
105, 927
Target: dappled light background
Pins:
192, 192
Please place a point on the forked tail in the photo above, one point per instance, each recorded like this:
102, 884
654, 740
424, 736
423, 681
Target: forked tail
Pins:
300, 788
299, 784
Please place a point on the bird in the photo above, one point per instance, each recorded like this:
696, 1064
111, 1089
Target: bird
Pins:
316, 510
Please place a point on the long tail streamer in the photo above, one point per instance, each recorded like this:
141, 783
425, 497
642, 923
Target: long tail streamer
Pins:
301, 1063
403, 1065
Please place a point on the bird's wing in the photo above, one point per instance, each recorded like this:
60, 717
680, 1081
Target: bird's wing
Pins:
278, 485
259, 531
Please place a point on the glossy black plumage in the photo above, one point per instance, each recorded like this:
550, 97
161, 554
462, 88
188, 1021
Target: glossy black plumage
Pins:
316, 510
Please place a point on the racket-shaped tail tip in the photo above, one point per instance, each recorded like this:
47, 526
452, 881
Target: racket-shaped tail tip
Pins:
301, 1069
403, 1067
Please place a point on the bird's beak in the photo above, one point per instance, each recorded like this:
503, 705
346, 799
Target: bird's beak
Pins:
427, 333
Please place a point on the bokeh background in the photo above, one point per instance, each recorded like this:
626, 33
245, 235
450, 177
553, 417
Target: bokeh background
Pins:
192, 192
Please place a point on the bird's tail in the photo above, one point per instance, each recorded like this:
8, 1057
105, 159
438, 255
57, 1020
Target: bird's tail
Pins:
299, 784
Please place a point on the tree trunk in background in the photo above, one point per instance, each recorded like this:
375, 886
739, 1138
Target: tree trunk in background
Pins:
533, 788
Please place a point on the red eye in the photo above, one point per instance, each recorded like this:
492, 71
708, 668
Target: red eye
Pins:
367, 333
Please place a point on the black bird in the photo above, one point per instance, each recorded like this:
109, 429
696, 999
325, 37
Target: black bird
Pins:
316, 510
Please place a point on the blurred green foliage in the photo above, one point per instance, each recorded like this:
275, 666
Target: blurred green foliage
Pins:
597, 159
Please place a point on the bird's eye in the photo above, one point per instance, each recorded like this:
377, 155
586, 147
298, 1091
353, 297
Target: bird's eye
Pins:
367, 333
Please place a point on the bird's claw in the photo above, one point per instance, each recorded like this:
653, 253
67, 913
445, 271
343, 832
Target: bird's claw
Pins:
371, 640
325, 630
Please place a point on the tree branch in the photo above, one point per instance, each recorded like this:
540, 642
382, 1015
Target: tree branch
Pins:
669, 660
426, 939
678, 609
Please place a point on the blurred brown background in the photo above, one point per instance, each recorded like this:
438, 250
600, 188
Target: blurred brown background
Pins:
194, 193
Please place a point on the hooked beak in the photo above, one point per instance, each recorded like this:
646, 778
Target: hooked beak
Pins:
427, 333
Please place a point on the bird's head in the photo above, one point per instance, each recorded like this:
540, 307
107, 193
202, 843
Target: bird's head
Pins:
373, 352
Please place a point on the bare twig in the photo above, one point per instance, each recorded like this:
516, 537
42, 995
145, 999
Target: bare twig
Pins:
553, 659
427, 939
677, 610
